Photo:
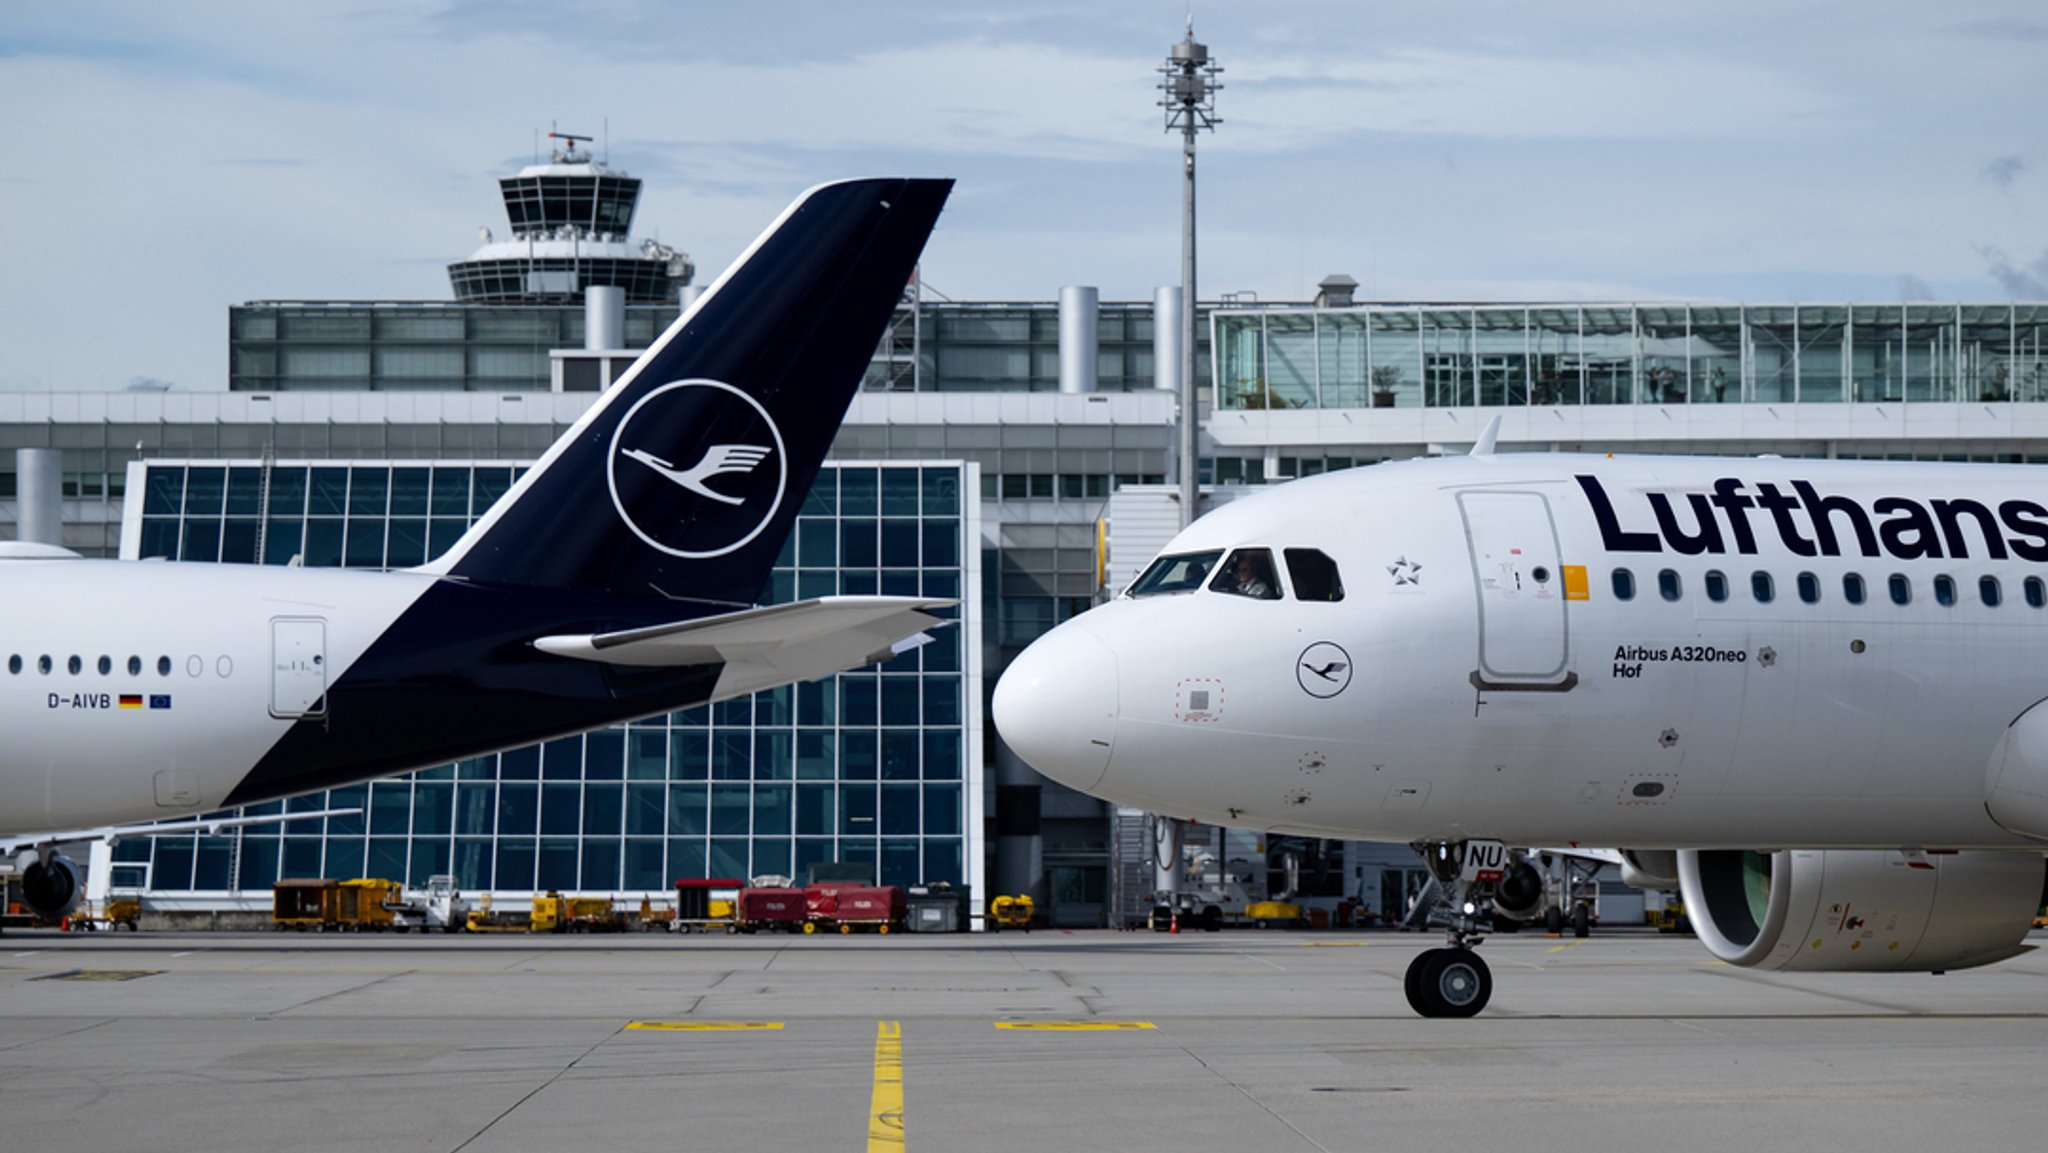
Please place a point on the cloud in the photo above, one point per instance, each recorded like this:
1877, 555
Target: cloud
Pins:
2027, 283
2003, 170
2001, 28
1912, 287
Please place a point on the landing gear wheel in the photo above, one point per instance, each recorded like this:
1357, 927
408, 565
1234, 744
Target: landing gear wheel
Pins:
1448, 983
1582, 921
1553, 920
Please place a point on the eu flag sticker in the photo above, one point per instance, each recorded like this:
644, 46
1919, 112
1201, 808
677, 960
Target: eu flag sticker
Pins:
160, 700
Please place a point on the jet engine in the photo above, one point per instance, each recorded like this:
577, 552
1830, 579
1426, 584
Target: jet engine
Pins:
1649, 868
51, 889
1519, 894
1861, 909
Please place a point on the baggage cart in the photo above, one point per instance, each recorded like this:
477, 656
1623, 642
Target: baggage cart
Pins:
706, 905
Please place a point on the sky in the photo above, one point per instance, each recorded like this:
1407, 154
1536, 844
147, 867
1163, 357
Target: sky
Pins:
167, 161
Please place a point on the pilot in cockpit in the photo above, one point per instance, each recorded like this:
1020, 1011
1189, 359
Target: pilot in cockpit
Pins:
1249, 574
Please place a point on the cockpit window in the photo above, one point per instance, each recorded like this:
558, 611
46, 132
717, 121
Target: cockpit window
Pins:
1248, 573
1181, 573
1313, 575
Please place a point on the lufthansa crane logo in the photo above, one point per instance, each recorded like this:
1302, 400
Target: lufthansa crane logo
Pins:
1323, 669
697, 469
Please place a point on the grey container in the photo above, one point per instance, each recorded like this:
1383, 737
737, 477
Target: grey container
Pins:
933, 914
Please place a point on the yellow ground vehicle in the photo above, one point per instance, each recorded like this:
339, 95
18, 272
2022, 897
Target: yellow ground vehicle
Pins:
361, 904
548, 915
305, 903
115, 913
653, 916
593, 915
1668, 917
1273, 914
1011, 912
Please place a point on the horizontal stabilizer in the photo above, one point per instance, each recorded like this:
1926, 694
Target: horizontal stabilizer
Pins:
772, 645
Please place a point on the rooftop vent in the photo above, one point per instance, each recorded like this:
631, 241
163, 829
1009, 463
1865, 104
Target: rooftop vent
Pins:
1336, 291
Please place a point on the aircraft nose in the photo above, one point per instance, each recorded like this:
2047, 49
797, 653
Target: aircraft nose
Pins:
1056, 705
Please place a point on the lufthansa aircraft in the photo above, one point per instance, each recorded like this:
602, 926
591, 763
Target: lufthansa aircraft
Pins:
616, 580
1803, 692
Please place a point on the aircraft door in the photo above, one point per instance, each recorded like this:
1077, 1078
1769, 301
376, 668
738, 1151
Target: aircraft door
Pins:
298, 667
1523, 642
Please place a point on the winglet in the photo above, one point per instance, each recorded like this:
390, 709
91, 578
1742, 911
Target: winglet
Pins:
1484, 445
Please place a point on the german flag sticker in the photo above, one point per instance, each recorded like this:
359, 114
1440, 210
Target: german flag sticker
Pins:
131, 700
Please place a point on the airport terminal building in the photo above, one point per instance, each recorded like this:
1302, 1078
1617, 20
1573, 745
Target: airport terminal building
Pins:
978, 463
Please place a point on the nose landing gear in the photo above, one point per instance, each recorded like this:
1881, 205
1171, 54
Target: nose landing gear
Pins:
1453, 981
1448, 982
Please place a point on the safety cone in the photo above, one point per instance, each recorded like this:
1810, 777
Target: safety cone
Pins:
1176, 922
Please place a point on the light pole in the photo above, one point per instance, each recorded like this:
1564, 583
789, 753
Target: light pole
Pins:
1188, 86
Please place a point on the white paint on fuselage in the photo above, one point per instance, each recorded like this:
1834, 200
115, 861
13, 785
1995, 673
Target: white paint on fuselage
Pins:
1801, 742
85, 761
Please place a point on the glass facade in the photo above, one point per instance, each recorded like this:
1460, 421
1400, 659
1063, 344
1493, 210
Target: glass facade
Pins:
1507, 355
881, 766
300, 346
942, 347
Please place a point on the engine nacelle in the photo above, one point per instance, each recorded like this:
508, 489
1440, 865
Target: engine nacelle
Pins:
1649, 868
1846, 909
52, 890
1519, 895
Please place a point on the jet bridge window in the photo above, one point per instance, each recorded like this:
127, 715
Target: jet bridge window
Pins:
1313, 575
1249, 573
1181, 573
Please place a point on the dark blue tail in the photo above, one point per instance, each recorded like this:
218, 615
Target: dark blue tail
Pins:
683, 480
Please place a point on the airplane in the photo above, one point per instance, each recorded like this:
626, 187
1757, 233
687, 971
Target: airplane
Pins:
1807, 694
593, 592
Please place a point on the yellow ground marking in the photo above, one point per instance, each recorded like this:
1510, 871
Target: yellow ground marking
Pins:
1566, 945
704, 1026
98, 975
885, 1112
1075, 1026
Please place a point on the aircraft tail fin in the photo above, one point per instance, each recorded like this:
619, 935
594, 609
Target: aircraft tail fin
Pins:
685, 477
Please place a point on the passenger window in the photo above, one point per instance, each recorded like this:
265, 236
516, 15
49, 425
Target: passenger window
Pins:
1717, 585
1945, 591
1852, 587
1667, 585
43, 664
1761, 588
14, 664
1169, 574
1248, 573
106, 666
134, 666
75, 665
1902, 589
1989, 592
163, 666
2037, 592
1809, 588
1313, 575
1624, 585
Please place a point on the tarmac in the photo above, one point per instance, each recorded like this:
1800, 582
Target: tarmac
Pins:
1275, 1041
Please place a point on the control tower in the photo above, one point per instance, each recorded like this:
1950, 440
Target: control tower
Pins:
570, 219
